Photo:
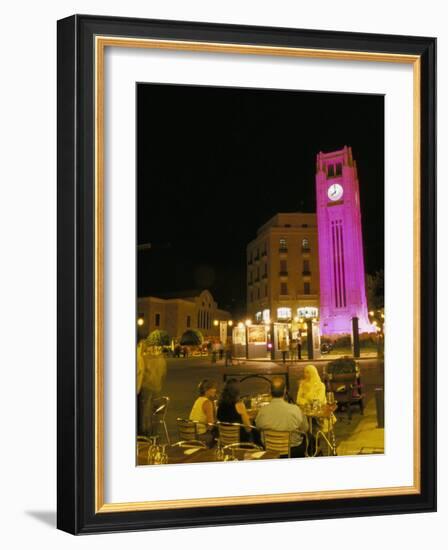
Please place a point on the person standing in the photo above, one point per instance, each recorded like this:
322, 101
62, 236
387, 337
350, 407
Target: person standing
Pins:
284, 349
151, 372
299, 347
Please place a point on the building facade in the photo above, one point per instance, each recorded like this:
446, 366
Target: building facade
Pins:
283, 268
180, 312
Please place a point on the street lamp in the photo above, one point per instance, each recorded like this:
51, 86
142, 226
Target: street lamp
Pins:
140, 321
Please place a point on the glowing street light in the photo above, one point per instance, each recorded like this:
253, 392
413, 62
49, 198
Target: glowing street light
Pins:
140, 321
247, 322
216, 322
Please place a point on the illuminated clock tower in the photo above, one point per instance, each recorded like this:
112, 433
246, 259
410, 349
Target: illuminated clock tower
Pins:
341, 258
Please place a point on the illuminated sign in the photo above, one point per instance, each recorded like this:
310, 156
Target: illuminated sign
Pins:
308, 312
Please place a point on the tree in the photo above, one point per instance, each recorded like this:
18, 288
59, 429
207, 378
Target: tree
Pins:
191, 338
375, 290
158, 338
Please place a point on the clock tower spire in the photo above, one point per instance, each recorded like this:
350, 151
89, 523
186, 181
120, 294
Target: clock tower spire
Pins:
341, 257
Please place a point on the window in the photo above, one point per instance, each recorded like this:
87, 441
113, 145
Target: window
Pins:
284, 288
306, 288
251, 297
265, 270
188, 321
284, 313
258, 293
283, 244
330, 170
266, 315
339, 169
305, 244
258, 274
265, 290
258, 316
157, 320
306, 266
250, 277
283, 267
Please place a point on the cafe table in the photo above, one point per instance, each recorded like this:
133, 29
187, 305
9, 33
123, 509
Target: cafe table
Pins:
321, 422
192, 455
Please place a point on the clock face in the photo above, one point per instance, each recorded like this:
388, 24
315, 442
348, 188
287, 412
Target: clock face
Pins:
335, 192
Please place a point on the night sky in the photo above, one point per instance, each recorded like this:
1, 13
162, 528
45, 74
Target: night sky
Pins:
213, 164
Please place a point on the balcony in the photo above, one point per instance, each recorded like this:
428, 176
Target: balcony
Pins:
306, 273
283, 250
306, 249
283, 273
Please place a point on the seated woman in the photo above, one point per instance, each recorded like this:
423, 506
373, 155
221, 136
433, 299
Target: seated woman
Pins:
311, 390
232, 409
203, 410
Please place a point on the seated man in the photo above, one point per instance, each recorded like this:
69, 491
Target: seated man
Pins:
285, 417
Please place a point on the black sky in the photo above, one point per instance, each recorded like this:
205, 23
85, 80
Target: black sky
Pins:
213, 164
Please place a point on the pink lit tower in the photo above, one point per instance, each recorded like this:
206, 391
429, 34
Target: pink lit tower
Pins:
341, 258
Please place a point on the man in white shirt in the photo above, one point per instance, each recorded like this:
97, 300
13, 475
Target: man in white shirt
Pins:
285, 417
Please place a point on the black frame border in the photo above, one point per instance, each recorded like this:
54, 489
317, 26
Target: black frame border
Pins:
76, 268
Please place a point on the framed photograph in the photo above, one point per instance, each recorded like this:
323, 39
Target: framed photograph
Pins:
246, 274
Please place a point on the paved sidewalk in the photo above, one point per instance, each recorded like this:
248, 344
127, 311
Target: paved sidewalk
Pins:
362, 435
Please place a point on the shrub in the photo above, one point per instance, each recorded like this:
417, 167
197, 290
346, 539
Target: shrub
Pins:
158, 338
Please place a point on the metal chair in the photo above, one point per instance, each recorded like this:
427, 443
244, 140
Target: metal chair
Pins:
229, 432
187, 429
160, 406
143, 440
280, 441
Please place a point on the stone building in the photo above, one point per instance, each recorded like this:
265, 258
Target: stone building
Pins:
178, 312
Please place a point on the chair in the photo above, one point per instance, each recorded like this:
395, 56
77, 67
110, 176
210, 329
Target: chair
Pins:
191, 443
229, 432
187, 429
143, 440
279, 442
342, 379
160, 407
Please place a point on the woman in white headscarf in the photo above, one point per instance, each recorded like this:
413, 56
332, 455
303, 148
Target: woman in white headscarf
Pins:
312, 390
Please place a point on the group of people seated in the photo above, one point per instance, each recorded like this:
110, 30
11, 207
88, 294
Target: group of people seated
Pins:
279, 414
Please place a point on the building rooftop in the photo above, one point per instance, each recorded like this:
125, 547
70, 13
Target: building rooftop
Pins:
290, 219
